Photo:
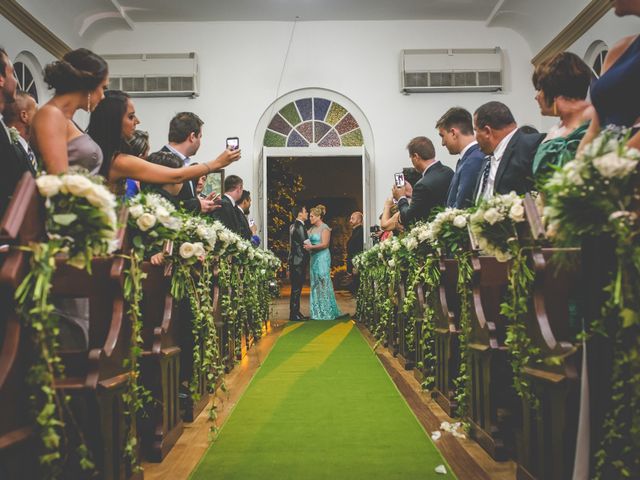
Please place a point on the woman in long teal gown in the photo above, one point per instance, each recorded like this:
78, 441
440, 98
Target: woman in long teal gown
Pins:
323, 304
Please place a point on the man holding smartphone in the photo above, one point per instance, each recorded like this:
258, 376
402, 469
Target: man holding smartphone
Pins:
185, 135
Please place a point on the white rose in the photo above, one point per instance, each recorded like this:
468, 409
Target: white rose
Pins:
611, 165
77, 185
392, 263
202, 231
199, 249
145, 221
460, 221
492, 216
48, 185
502, 256
411, 243
163, 215
516, 213
187, 250
395, 247
100, 199
136, 210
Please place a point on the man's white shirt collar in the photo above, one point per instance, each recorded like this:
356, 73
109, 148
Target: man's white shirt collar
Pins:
431, 165
465, 149
233, 202
182, 156
502, 146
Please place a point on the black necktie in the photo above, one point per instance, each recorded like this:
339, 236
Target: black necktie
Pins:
485, 176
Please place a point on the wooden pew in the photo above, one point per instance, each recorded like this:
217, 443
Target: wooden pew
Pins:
21, 223
226, 331
160, 363
547, 446
447, 304
422, 369
95, 379
494, 404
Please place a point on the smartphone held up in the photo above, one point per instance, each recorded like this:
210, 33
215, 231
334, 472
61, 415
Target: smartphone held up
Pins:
399, 179
233, 143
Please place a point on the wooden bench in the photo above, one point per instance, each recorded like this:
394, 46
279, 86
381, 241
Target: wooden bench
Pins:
447, 304
21, 223
160, 363
406, 345
493, 402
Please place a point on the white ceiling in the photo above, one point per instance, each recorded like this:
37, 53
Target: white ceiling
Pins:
81, 22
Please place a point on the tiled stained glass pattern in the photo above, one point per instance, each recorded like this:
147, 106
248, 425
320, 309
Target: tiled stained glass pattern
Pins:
313, 121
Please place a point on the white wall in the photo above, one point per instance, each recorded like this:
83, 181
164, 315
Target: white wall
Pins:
15, 42
240, 65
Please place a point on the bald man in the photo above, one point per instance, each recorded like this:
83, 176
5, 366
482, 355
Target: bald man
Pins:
355, 244
19, 115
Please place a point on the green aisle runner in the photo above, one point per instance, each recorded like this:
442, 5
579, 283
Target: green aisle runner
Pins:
321, 407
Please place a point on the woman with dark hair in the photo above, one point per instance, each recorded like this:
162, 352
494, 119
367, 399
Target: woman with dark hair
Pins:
79, 81
138, 146
112, 123
562, 83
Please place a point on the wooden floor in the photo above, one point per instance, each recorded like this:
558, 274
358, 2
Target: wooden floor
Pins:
466, 458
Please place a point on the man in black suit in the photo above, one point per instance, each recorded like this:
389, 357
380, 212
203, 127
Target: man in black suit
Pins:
185, 135
243, 205
355, 245
298, 260
19, 115
508, 165
455, 128
430, 191
228, 213
13, 163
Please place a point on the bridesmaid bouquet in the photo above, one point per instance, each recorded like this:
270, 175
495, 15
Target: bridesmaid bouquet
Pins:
448, 230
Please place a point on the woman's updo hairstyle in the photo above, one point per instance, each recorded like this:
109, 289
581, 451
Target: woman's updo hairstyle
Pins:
79, 70
319, 211
565, 74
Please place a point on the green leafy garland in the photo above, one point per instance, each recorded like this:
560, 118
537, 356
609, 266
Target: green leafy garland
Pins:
516, 306
463, 381
136, 397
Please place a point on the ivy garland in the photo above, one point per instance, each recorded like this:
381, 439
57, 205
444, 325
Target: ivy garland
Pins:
463, 382
136, 397
516, 306
50, 406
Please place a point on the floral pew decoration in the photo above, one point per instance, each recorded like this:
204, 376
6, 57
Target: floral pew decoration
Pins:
592, 197
81, 223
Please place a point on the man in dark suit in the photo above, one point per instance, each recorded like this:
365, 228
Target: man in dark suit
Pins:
14, 164
355, 245
455, 128
430, 191
228, 213
508, 165
298, 260
243, 205
185, 135
19, 115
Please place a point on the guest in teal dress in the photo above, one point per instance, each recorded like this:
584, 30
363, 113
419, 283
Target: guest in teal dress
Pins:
562, 83
323, 304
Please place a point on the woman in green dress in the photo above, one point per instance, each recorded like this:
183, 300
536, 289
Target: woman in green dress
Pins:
562, 83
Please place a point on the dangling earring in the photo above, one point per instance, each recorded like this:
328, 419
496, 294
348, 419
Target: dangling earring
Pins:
89, 102
555, 109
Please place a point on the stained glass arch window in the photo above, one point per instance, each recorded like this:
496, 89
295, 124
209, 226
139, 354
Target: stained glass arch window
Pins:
313, 121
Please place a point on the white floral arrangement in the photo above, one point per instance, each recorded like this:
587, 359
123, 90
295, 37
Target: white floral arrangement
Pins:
14, 135
81, 214
493, 224
594, 193
448, 230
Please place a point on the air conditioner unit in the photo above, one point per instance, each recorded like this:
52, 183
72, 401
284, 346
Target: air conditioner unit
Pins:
452, 70
154, 74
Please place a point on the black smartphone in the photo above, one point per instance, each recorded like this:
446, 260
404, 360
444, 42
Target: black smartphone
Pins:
233, 143
399, 179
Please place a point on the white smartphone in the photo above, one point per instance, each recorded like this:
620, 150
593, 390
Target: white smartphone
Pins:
399, 179
252, 222
233, 143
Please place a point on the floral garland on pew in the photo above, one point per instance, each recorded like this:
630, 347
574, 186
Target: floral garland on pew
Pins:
450, 236
81, 223
494, 226
596, 195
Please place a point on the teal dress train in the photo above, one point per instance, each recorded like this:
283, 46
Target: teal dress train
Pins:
323, 304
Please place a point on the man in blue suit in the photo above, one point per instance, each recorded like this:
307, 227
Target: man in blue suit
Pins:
455, 128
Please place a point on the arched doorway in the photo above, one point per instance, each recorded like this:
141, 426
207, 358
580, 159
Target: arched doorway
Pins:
319, 136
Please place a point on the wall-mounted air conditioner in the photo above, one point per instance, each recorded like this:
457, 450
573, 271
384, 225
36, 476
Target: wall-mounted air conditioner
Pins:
452, 70
154, 74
